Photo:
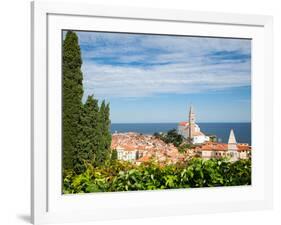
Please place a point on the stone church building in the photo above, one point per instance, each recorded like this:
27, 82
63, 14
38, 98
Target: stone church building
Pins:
190, 130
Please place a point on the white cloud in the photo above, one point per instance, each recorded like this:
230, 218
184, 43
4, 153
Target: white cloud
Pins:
170, 65
116, 81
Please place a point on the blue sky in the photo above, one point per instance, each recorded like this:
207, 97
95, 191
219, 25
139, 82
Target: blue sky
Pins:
154, 78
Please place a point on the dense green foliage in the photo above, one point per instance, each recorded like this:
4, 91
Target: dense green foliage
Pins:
72, 96
88, 134
114, 155
184, 146
105, 136
170, 137
86, 127
176, 139
124, 176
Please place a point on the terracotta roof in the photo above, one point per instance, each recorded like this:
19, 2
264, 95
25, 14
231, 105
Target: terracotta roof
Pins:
127, 147
183, 123
214, 147
243, 147
143, 159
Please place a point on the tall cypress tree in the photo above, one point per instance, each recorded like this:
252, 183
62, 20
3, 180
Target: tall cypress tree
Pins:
103, 151
100, 148
72, 96
107, 131
89, 135
86, 127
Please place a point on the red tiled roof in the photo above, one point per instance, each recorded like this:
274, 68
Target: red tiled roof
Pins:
143, 159
126, 147
183, 123
243, 147
214, 147
129, 147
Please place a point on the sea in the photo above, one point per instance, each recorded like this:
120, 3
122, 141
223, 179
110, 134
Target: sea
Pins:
242, 131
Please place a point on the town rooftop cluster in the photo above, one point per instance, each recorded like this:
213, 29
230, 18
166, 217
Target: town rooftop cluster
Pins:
140, 148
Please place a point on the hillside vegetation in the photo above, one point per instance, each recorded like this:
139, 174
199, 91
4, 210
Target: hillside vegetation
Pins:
124, 176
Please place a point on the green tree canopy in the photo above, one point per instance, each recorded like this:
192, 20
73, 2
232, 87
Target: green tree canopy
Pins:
72, 96
86, 127
89, 134
105, 137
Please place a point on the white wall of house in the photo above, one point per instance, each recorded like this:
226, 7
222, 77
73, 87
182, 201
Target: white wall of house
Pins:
200, 139
126, 155
183, 131
243, 155
207, 154
232, 155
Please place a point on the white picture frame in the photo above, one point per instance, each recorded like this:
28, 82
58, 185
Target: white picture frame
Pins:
47, 203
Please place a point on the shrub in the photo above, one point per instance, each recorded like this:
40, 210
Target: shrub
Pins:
124, 176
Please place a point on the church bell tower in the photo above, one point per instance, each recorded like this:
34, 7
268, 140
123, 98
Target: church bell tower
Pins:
191, 120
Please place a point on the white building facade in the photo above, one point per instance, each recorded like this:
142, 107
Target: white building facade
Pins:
126, 154
190, 130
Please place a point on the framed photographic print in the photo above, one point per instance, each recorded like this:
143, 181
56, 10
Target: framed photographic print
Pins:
146, 112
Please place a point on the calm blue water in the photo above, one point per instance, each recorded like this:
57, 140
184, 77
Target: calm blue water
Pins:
242, 131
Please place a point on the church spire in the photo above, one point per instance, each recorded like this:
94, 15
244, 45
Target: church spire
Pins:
232, 139
191, 109
232, 147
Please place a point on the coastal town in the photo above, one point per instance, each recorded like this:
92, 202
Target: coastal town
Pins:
124, 122
140, 148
